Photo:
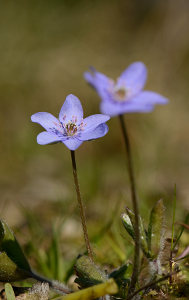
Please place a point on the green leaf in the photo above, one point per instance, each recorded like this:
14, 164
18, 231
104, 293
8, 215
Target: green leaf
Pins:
120, 272
128, 220
143, 239
156, 229
9, 292
13, 263
127, 223
88, 273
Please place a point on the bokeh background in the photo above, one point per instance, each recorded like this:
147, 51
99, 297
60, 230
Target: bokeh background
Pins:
45, 46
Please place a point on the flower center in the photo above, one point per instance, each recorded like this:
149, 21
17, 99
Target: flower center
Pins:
120, 94
71, 129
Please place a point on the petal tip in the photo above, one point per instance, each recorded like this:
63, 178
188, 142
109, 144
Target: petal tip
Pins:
72, 143
33, 117
72, 97
108, 118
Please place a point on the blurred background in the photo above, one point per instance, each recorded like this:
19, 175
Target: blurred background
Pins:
45, 46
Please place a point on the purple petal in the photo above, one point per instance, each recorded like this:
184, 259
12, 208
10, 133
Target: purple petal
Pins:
148, 97
115, 109
72, 143
134, 77
47, 120
100, 82
45, 138
98, 132
71, 109
90, 78
96, 79
93, 121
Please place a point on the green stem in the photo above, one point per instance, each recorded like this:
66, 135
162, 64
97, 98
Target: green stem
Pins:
134, 277
151, 284
81, 207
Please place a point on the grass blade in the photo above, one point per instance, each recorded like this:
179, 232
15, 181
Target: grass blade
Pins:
96, 291
9, 292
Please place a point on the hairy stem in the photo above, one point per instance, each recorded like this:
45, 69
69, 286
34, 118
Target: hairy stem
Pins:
81, 207
172, 237
54, 284
134, 277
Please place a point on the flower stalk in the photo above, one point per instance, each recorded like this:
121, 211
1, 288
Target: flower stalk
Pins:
134, 277
81, 207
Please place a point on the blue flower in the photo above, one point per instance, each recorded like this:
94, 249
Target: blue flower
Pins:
70, 129
125, 95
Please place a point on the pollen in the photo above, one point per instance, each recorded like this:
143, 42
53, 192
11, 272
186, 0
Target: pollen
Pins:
71, 129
